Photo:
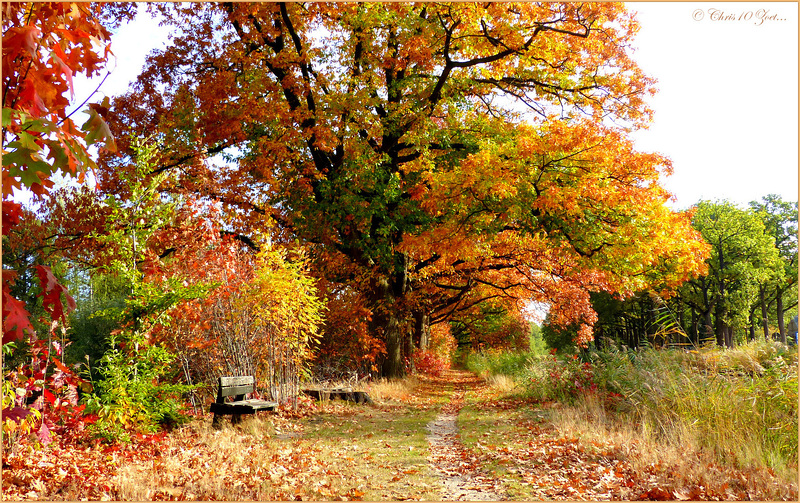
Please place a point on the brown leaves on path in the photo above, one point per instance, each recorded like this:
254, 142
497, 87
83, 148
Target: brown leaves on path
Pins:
459, 468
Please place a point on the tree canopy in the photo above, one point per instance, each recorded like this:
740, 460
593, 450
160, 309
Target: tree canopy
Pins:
431, 156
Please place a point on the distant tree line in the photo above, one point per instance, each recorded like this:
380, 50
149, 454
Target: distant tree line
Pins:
749, 291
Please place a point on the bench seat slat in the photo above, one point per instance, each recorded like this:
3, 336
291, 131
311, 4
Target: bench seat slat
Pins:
243, 406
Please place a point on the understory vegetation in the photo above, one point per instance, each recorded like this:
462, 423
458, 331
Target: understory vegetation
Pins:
738, 406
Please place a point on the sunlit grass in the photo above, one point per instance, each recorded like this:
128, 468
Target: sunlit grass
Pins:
502, 383
392, 390
689, 410
383, 451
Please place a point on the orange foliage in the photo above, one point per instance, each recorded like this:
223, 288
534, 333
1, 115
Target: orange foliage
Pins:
372, 134
259, 318
44, 46
346, 342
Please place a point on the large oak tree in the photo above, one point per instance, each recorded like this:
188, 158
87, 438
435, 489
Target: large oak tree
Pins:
432, 156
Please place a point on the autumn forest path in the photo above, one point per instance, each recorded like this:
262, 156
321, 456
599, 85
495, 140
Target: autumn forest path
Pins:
485, 447
460, 473
447, 438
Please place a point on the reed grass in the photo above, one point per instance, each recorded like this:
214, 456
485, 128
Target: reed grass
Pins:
387, 390
738, 407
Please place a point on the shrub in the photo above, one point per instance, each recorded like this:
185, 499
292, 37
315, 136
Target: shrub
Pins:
494, 362
429, 363
41, 398
134, 394
563, 378
439, 355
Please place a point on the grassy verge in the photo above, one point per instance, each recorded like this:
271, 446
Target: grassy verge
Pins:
338, 451
740, 404
486, 432
699, 413
380, 451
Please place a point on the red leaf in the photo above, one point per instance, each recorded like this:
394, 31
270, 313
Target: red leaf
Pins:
44, 434
60, 58
51, 294
61, 366
16, 413
51, 398
23, 38
16, 319
30, 99
11, 215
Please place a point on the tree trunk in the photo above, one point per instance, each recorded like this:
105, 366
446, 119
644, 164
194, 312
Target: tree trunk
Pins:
792, 329
422, 329
707, 329
763, 302
408, 345
694, 335
721, 328
388, 324
389, 321
779, 313
720, 333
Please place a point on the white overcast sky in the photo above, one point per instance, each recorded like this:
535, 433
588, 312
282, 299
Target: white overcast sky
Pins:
727, 110
727, 107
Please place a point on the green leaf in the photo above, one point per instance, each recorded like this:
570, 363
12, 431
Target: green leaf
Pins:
57, 154
26, 164
28, 141
7, 113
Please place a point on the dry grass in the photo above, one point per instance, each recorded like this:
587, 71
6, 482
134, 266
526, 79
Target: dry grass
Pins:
393, 390
501, 383
342, 451
198, 462
725, 420
266, 458
674, 450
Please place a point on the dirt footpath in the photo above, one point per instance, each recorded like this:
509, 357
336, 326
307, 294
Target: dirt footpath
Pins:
459, 469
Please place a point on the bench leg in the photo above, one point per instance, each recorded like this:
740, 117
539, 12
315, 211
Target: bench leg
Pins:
217, 422
236, 418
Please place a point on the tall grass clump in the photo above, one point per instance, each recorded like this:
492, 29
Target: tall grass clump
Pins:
493, 362
738, 404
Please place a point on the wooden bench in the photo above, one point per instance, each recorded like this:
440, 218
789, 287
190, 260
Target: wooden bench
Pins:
231, 400
343, 393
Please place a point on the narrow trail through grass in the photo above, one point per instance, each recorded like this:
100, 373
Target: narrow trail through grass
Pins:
458, 468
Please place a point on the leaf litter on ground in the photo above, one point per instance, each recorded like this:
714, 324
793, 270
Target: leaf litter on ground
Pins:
499, 446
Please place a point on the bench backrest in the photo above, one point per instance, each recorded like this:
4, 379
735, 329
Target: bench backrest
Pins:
236, 387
